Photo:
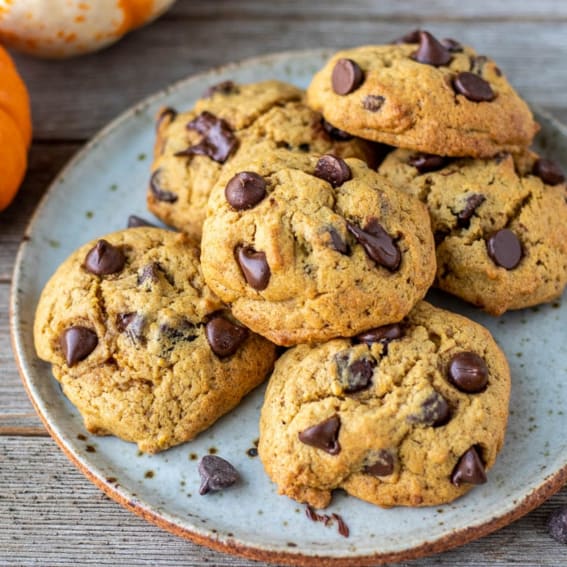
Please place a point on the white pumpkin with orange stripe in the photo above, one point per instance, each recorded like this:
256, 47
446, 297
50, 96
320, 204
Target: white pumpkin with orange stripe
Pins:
62, 28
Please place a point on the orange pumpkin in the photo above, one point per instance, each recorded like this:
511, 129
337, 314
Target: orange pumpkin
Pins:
15, 129
62, 28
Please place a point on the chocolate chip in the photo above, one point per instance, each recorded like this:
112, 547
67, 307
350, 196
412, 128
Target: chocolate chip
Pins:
150, 273
332, 169
245, 190
383, 335
135, 222
473, 87
323, 436
254, 267
158, 192
430, 51
410, 37
347, 76
477, 63
425, 163
382, 463
337, 243
104, 259
335, 133
468, 372
224, 336
470, 468
355, 375
377, 244
223, 88
218, 140
434, 411
549, 171
452, 45
373, 103
505, 249
180, 331
304, 148
166, 113
557, 525
216, 473
131, 323
472, 203
77, 343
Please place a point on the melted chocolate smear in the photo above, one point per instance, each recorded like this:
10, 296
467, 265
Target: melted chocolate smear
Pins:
377, 244
337, 243
328, 520
472, 203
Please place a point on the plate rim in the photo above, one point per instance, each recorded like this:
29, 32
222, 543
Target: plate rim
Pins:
549, 486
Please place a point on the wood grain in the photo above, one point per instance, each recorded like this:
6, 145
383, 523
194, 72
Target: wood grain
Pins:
50, 512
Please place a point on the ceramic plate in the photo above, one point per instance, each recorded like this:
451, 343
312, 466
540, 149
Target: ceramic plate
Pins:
94, 195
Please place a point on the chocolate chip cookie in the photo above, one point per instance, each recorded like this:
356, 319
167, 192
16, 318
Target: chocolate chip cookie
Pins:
307, 248
424, 95
411, 414
140, 344
193, 148
500, 225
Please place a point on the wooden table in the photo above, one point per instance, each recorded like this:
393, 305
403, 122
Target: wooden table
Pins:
49, 513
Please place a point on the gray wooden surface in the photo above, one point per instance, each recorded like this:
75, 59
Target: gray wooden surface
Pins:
49, 513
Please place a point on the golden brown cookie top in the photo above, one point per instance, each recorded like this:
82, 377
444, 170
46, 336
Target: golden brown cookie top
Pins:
500, 225
411, 414
423, 96
306, 248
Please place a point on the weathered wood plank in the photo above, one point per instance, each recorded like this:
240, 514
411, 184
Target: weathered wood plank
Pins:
72, 99
44, 163
50, 513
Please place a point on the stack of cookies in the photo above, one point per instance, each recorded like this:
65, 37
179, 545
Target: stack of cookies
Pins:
295, 231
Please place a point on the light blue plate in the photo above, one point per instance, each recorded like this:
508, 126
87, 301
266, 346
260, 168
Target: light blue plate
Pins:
94, 195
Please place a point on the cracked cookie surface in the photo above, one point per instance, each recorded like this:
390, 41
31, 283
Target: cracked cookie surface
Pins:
193, 148
322, 247
399, 101
140, 344
408, 418
501, 232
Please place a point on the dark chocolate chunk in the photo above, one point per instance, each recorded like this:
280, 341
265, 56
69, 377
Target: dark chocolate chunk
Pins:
104, 259
434, 411
150, 273
382, 463
473, 202
337, 243
224, 336
158, 192
469, 468
216, 474
505, 249
557, 525
549, 171
468, 372
452, 45
373, 103
254, 266
245, 190
179, 331
77, 343
377, 244
166, 113
425, 163
332, 169
135, 222
131, 323
356, 375
223, 88
473, 87
218, 140
335, 133
347, 76
383, 335
323, 436
430, 51
410, 37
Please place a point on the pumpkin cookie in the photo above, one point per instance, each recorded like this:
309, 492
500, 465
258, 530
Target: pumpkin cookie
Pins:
140, 344
423, 95
194, 148
411, 414
306, 248
500, 226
